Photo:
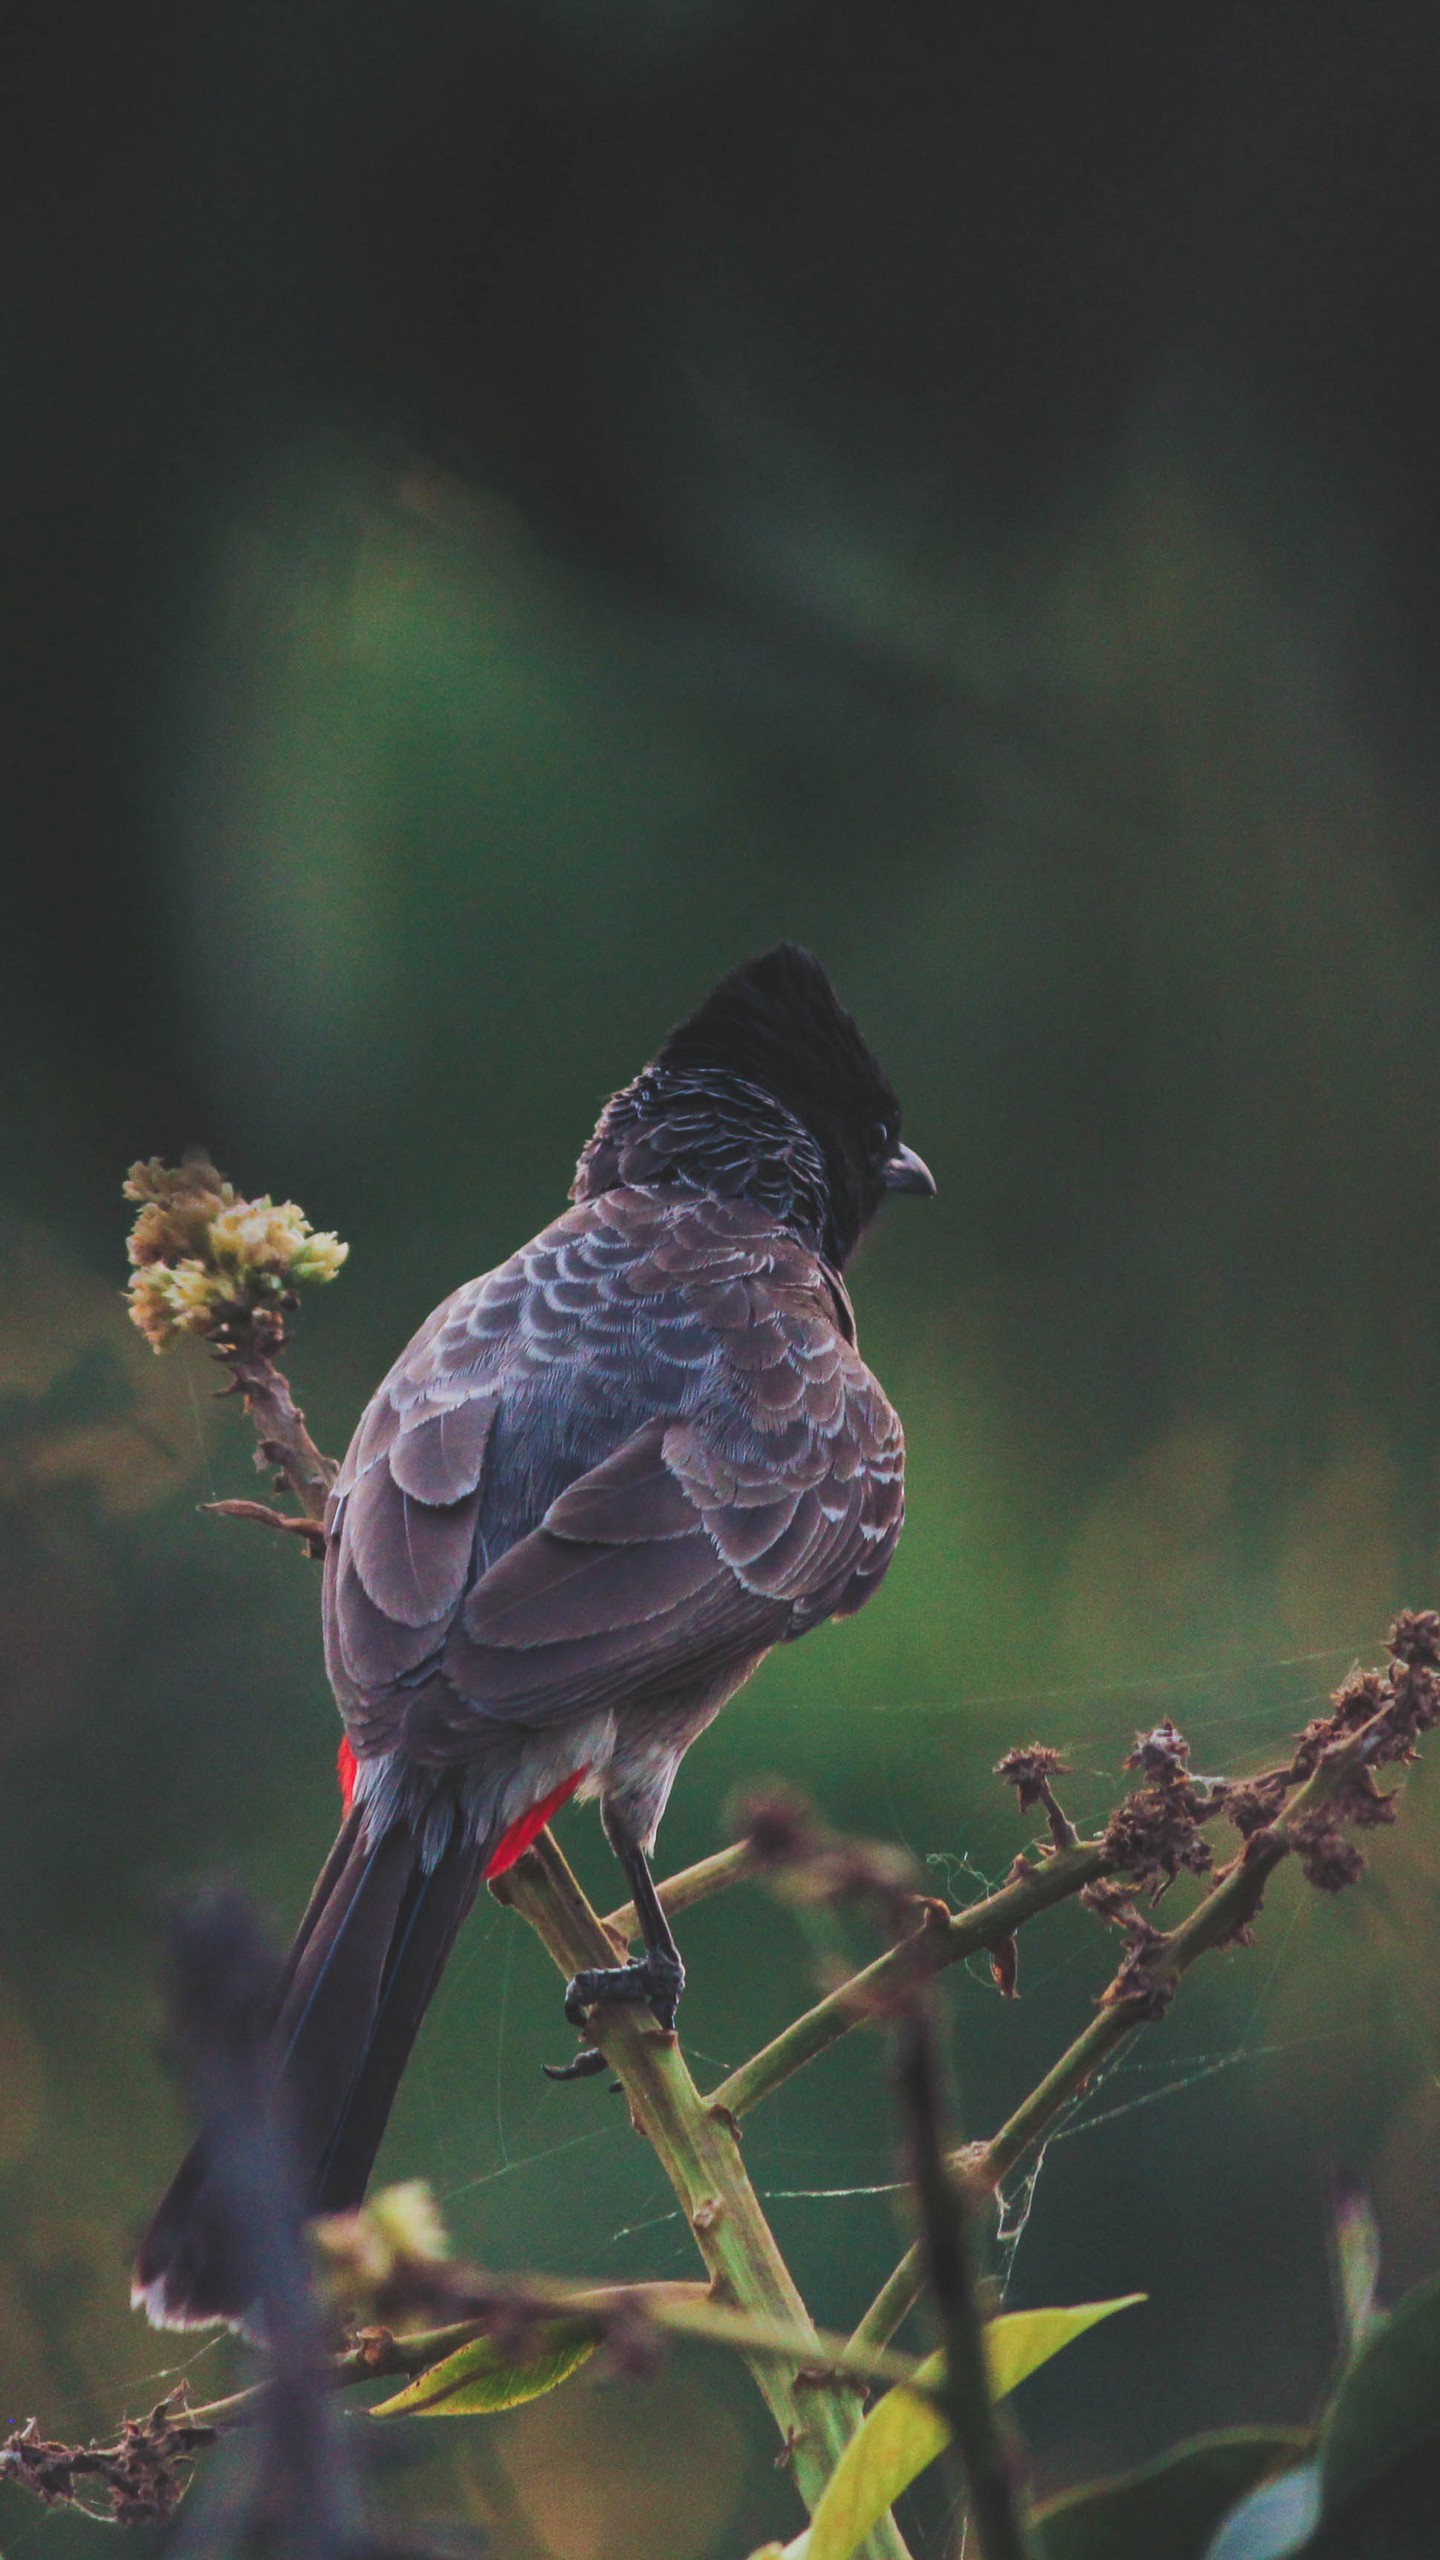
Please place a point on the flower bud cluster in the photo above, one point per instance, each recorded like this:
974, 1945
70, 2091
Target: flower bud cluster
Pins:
205, 1259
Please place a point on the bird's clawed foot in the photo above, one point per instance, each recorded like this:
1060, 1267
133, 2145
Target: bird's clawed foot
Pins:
658, 1978
587, 2062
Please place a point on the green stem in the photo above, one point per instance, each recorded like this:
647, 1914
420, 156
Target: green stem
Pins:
693, 1884
699, 2152
822, 2352
681, 2310
893, 2303
945, 1938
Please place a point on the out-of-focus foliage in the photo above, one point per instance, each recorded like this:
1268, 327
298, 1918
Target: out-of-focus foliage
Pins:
506, 511
1364, 2489
1388, 2404
1171, 2505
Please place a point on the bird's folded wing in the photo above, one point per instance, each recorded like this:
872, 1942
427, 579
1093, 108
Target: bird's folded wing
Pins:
402, 1517
675, 1558
695, 1547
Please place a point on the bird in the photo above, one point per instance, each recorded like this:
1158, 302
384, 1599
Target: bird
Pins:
593, 1492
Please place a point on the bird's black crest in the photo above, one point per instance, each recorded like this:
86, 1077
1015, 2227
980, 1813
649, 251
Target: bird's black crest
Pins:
767, 1092
778, 1022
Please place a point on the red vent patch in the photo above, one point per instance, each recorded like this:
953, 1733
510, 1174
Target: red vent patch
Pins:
514, 1842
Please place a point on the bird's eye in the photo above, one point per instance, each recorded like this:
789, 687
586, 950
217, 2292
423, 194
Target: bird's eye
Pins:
881, 1141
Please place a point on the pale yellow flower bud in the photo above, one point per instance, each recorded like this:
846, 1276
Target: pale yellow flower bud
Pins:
195, 1293
151, 1305
319, 1258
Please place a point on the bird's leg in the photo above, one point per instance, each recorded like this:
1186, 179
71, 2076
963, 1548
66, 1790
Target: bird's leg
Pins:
657, 1977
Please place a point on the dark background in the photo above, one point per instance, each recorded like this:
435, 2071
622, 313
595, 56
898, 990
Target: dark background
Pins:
503, 510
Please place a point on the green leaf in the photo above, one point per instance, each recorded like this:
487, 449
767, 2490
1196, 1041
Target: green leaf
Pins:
1019, 2342
480, 2378
1388, 2402
1169, 2507
903, 2433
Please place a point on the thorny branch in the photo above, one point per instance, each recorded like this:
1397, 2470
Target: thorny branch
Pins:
940, 1937
699, 2151
1301, 1808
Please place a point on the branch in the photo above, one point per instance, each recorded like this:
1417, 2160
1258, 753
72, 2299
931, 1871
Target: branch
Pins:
677, 2310
693, 1884
1153, 1969
944, 1938
698, 2149
267, 1518
284, 1442
143, 2472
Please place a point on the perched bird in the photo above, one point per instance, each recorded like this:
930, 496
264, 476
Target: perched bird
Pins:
598, 1486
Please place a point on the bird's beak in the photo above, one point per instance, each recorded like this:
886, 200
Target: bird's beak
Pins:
905, 1171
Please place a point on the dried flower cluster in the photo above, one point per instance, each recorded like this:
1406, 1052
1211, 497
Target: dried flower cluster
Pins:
141, 2477
1375, 1722
1150, 1839
206, 1260
1029, 1770
1155, 1834
1136, 1985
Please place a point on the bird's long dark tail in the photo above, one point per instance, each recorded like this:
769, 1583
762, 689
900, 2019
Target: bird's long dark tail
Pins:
359, 1978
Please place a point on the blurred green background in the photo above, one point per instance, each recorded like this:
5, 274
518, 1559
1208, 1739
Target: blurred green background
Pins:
504, 511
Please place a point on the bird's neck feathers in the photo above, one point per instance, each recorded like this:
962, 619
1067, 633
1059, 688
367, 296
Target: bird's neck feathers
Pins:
766, 1093
706, 1129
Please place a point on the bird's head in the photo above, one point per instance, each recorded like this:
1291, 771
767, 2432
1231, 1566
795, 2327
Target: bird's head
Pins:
766, 1092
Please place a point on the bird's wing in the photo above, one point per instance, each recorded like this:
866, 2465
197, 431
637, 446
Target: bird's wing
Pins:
403, 1514
674, 1544
698, 1544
